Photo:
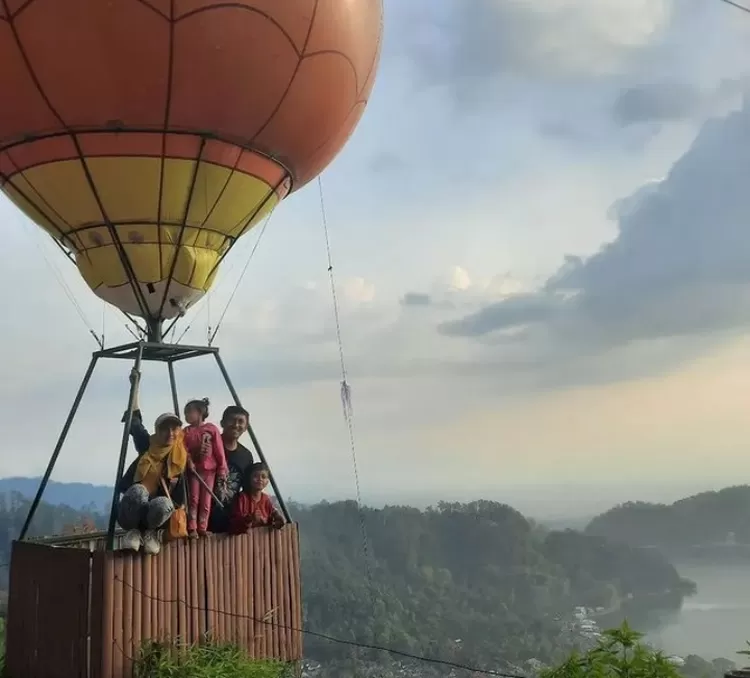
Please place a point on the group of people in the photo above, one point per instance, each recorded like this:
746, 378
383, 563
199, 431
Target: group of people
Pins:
194, 466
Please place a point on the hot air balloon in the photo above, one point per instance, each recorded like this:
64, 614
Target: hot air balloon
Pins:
147, 137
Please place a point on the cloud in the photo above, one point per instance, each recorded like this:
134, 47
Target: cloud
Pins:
416, 299
667, 101
656, 101
485, 38
679, 265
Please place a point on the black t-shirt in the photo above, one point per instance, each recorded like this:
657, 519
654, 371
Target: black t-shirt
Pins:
238, 461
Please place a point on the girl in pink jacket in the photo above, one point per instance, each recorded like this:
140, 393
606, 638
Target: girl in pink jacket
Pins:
207, 460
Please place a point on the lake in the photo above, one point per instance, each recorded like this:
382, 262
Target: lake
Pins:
716, 621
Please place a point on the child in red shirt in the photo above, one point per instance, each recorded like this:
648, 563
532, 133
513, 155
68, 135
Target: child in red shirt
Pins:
207, 460
253, 508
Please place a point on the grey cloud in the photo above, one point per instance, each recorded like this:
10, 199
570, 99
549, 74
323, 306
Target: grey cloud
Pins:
416, 299
665, 101
656, 102
516, 311
679, 266
467, 45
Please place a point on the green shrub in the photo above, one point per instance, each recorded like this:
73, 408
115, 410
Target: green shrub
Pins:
208, 660
619, 654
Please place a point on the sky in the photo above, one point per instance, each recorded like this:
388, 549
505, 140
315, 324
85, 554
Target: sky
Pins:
540, 233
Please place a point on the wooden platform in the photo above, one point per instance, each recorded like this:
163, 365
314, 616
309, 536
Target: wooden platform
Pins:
77, 611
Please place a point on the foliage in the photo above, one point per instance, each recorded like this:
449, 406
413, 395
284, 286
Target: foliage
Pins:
708, 518
619, 654
473, 583
208, 660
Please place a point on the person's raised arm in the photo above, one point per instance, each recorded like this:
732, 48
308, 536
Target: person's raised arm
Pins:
138, 432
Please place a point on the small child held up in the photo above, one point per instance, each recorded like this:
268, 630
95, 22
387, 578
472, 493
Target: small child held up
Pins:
253, 508
207, 463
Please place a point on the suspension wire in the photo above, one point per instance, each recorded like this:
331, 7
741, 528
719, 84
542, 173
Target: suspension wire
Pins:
208, 321
204, 302
61, 281
737, 5
346, 394
267, 620
242, 275
104, 321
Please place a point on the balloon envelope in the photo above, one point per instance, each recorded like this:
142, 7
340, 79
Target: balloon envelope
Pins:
147, 136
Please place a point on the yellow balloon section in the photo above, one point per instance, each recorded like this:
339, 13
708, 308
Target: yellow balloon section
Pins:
174, 217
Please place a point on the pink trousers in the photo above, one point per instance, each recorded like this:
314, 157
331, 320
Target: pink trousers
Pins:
199, 508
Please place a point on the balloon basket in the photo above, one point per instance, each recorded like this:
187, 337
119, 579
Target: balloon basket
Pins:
78, 609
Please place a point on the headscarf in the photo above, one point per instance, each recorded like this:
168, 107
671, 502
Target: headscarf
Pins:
150, 467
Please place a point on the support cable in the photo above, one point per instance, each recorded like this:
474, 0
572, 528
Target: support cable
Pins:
346, 398
239, 280
65, 288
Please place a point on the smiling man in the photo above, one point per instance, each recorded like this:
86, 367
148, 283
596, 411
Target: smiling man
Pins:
234, 423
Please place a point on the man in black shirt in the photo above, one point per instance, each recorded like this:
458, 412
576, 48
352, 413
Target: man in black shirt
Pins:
234, 423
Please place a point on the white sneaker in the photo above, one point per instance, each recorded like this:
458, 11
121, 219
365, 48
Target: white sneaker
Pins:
131, 541
151, 543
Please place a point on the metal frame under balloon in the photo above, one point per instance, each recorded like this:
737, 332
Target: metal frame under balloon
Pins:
138, 352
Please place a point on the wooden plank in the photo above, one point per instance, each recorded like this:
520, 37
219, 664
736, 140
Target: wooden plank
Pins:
130, 648
283, 617
137, 619
232, 549
244, 593
258, 635
152, 562
98, 623
109, 614
274, 606
147, 631
193, 576
118, 652
183, 615
200, 575
296, 591
174, 591
238, 591
267, 589
221, 573
212, 601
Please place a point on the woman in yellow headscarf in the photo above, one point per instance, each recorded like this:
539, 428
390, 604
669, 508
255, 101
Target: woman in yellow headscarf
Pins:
154, 484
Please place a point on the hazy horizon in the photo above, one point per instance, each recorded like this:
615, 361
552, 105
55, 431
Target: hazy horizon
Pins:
564, 502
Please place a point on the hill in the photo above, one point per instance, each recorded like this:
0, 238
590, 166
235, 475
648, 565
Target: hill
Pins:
76, 495
474, 583
705, 520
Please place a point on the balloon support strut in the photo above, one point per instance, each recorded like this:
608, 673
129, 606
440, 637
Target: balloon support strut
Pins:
137, 353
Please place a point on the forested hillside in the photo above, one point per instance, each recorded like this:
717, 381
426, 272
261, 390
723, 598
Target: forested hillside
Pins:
709, 518
475, 583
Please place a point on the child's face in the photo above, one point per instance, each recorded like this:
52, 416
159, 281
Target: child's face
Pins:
166, 433
193, 415
259, 481
234, 426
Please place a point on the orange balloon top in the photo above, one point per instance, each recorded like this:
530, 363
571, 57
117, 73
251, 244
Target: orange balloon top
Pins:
287, 78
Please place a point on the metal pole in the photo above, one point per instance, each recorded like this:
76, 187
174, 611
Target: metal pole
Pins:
251, 433
124, 449
58, 446
173, 387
